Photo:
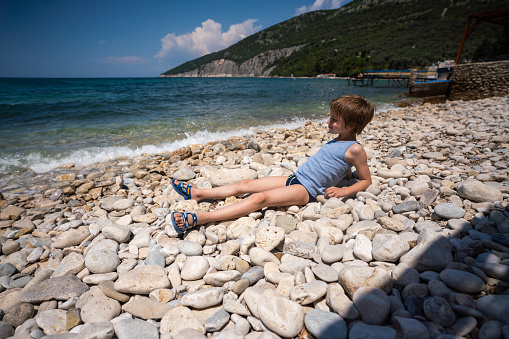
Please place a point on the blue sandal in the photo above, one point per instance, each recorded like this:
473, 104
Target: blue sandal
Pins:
187, 225
182, 189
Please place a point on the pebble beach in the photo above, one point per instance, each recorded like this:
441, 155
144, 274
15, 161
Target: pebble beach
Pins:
90, 251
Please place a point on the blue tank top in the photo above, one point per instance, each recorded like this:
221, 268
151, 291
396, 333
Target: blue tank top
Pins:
326, 168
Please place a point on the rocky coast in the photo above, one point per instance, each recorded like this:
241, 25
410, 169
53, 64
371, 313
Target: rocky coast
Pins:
90, 252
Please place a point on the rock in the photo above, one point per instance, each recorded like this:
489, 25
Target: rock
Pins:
18, 314
194, 268
332, 254
372, 304
438, 310
220, 278
217, 322
476, 191
391, 224
281, 316
142, 280
410, 328
102, 330
449, 211
323, 325
203, 298
191, 333
269, 238
119, 233
361, 330
301, 249
287, 223
240, 228
123, 204
135, 328
362, 248
325, 273
6, 330
353, 277
407, 206
11, 213
107, 287
462, 281
226, 176
178, 319
189, 248
293, 264
340, 303
52, 321
260, 256
100, 309
389, 247
72, 264
59, 288
495, 307
433, 252
309, 292
253, 275
70, 238
102, 261
146, 308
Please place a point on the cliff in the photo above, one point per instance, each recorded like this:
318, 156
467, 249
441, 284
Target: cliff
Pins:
259, 65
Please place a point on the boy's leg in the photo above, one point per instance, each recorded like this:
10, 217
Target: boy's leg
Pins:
243, 187
282, 196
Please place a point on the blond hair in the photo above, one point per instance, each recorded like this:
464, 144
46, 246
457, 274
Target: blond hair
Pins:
355, 110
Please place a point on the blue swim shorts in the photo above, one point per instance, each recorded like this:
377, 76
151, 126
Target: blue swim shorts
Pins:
292, 180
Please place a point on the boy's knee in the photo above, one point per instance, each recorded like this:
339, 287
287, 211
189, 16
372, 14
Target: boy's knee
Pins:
258, 198
244, 183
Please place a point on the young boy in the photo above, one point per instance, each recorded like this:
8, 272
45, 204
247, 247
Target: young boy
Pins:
318, 175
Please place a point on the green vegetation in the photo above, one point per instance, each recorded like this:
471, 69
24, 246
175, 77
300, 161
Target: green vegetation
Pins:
371, 34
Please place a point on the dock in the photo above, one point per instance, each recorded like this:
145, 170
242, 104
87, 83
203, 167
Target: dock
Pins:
392, 78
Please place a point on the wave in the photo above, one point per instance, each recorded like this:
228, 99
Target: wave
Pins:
40, 162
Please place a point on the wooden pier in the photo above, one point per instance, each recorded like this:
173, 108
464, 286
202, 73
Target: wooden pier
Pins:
391, 78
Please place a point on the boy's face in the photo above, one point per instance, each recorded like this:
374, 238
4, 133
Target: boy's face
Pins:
337, 125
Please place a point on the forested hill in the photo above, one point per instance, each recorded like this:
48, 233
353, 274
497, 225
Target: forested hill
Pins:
364, 34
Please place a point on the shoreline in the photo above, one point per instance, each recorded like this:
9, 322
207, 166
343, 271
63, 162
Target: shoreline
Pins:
92, 249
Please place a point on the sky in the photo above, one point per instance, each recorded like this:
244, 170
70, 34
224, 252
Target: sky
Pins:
129, 38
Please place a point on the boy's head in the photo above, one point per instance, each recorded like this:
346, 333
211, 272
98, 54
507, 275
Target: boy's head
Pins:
354, 109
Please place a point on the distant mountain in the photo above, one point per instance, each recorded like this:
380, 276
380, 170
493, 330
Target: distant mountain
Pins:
364, 34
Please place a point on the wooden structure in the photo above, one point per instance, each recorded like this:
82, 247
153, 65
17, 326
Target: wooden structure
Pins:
392, 78
498, 17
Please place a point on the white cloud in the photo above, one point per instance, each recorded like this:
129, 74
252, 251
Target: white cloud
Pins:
206, 38
321, 4
125, 60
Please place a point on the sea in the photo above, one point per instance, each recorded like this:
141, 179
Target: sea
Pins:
45, 123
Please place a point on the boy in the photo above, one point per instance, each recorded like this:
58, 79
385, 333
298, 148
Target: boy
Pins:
318, 175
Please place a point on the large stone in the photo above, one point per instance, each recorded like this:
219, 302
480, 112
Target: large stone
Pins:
495, 307
194, 268
146, 308
361, 330
220, 278
281, 316
462, 281
308, 293
340, 303
52, 321
269, 237
100, 309
135, 328
142, 280
433, 252
70, 238
373, 304
353, 277
203, 298
389, 247
102, 261
178, 319
240, 228
224, 176
449, 211
59, 288
476, 191
438, 310
324, 325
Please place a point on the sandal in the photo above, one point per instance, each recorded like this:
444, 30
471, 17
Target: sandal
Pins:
187, 225
182, 189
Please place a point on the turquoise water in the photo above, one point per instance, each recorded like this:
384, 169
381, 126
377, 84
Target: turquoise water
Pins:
48, 122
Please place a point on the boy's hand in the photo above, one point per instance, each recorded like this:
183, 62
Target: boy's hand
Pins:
335, 192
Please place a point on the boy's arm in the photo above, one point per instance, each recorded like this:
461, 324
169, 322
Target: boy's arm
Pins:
355, 155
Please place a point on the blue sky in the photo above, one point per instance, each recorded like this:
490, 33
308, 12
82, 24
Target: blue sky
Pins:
129, 38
